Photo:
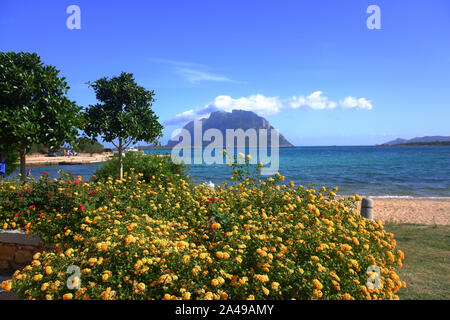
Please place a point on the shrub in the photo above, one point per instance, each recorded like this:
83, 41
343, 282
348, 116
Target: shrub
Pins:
38, 148
168, 239
147, 164
86, 145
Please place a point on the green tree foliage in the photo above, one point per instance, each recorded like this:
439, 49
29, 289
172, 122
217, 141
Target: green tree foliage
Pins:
38, 148
86, 145
124, 115
146, 164
34, 107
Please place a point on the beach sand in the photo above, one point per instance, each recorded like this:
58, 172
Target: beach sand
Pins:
419, 211
79, 159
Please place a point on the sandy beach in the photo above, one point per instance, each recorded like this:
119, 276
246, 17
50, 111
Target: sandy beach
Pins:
79, 159
404, 210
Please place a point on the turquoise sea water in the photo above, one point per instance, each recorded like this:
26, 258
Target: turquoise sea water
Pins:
414, 171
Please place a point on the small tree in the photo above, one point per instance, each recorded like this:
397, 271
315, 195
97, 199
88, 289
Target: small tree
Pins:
33, 105
124, 115
86, 145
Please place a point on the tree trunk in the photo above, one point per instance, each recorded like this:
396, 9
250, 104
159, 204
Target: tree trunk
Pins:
22, 165
120, 160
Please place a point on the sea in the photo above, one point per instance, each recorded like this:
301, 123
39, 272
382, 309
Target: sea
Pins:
378, 171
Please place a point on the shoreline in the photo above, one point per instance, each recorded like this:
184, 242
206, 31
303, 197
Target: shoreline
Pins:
427, 211
43, 160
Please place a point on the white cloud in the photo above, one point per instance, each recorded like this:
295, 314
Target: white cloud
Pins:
257, 103
191, 71
265, 106
314, 101
352, 102
193, 75
192, 114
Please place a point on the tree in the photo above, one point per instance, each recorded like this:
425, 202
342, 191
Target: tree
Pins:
33, 105
124, 115
86, 145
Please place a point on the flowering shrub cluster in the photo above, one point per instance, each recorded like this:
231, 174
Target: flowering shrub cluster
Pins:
169, 239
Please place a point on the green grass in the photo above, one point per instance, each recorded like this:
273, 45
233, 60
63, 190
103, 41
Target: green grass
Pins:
426, 268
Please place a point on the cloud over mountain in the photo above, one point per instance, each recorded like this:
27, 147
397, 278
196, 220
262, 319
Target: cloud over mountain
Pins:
264, 106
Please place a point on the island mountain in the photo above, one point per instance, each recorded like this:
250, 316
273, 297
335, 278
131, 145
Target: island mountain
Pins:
419, 141
237, 119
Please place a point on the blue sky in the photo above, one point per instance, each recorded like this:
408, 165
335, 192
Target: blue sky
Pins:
312, 68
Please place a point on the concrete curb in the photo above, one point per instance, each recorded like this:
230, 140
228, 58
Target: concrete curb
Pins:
19, 237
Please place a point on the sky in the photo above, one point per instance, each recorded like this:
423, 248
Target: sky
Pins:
312, 68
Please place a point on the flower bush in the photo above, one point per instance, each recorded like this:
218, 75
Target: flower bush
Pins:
166, 238
147, 164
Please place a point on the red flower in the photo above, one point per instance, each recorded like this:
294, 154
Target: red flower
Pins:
82, 207
77, 181
167, 179
215, 199
7, 201
214, 225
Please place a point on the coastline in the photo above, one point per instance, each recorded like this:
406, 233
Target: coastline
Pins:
43, 160
428, 211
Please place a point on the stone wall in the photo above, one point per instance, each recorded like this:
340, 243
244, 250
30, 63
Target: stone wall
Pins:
17, 250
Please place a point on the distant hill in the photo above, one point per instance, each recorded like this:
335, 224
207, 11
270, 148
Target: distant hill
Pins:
428, 140
237, 119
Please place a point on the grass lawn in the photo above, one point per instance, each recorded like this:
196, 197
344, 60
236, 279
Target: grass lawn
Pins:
426, 268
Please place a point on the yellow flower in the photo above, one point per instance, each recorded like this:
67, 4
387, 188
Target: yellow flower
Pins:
105, 277
67, 296
6, 285
141, 286
262, 277
265, 290
317, 293
35, 263
249, 157
92, 261
130, 239
317, 284
214, 282
347, 296
275, 285
186, 295
37, 277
